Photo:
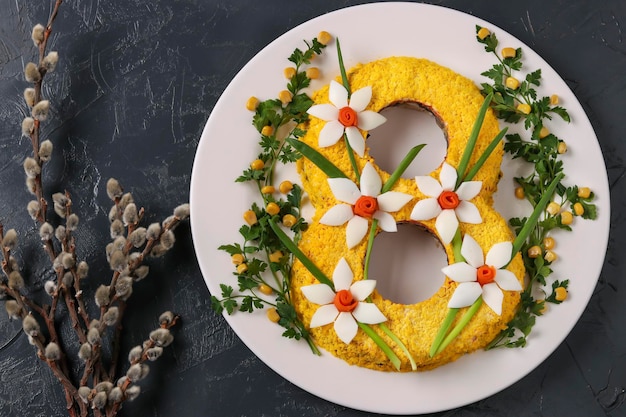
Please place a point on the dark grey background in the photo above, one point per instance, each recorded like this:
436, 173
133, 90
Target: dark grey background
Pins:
136, 82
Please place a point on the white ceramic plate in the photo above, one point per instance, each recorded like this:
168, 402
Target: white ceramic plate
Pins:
229, 143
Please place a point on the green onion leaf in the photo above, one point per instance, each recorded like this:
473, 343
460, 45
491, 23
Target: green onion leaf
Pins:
461, 324
401, 345
395, 361
471, 141
485, 155
317, 158
404, 164
342, 68
445, 325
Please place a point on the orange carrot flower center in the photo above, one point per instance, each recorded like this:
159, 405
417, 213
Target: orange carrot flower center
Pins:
365, 206
448, 200
347, 116
485, 274
344, 301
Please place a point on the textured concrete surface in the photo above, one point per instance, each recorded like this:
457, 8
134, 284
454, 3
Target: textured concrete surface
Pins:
135, 85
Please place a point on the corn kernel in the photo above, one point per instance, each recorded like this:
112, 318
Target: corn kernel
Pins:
272, 315
584, 192
534, 251
483, 33
549, 256
266, 289
567, 218
512, 83
252, 103
289, 220
519, 192
257, 164
560, 293
272, 208
579, 209
561, 148
324, 37
543, 132
285, 187
249, 217
268, 189
275, 256
313, 73
508, 52
554, 99
549, 243
544, 307
285, 96
267, 131
242, 268
553, 208
524, 108
289, 72
237, 259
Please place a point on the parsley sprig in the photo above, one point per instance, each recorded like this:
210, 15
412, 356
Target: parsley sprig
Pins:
542, 150
267, 260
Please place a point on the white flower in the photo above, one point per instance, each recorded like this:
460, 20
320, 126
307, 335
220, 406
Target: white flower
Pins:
478, 277
361, 205
345, 305
346, 115
445, 203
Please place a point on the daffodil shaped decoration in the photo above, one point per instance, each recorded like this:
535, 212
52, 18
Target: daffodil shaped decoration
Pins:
482, 277
344, 306
346, 115
447, 204
358, 206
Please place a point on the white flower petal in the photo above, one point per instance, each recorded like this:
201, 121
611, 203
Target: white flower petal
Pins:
346, 327
360, 99
460, 272
330, 133
338, 95
428, 186
448, 177
507, 280
324, 315
499, 254
492, 296
369, 120
368, 313
446, 225
356, 230
386, 221
337, 215
344, 190
318, 293
465, 295
325, 112
342, 276
468, 213
426, 209
472, 252
356, 141
469, 189
393, 201
362, 289
370, 181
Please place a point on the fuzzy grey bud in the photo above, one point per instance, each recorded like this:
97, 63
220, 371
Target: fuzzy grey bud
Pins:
37, 34
30, 326
71, 223
9, 241
102, 296
99, 400
119, 243
31, 185
124, 287
182, 211
68, 260
82, 270
118, 260
166, 318
93, 336
85, 351
60, 199
16, 282
138, 237
33, 209
157, 251
161, 337
135, 354
116, 395
31, 73
84, 393
40, 110
137, 372
117, 228
130, 214
50, 61
68, 279
59, 210
60, 233
133, 392
31, 167
153, 231
154, 353
121, 381
111, 316
28, 126
114, 189
170, 222
94, 324
50, 287
167, 240
45, 150
141, 272
13, 309
29, 96
46, 231
126, 199
52, 352
104, 386
114, 214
